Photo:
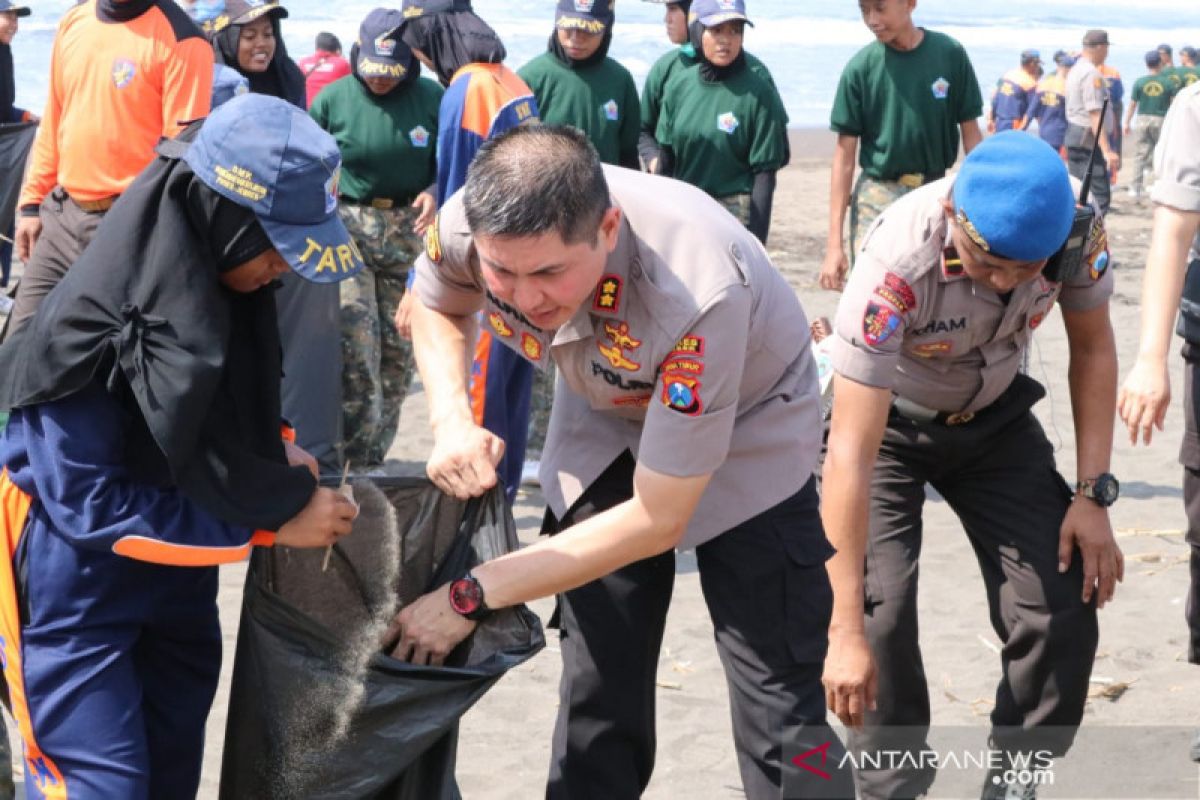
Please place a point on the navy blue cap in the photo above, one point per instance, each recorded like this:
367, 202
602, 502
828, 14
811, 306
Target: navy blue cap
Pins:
1190, 52
269, 156
243, 12
381, 54
228, 83
417, 8
593, 16
1063, 58
1029, 56
1165, 48
1013, 197
711, 13
1153, 59
20, 11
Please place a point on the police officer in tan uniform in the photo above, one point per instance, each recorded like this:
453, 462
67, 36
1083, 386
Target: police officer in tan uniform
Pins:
929, 337
686, 415
1086, 92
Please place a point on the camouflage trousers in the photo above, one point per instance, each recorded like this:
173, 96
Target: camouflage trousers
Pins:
377, 363
738, 205
870, 197
540, 401
1146, 133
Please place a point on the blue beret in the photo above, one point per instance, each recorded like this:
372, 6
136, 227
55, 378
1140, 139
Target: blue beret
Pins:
1014, 198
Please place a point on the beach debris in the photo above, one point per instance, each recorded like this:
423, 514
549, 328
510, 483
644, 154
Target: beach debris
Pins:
989, 644
675, 687
1108, 688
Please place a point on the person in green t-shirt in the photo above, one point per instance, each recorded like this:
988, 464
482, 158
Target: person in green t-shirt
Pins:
905, 97
719, 128
1150, 99
1187, 70
576, 83
384, 117
684, 56
1169, 71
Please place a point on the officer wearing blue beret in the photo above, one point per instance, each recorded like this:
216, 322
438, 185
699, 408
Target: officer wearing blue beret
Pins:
929, 338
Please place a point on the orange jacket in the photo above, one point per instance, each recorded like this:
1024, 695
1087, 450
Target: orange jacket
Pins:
115, 89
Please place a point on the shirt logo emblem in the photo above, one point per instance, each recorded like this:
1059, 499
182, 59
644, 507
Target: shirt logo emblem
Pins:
879, 323
608, 294
531, 347
941, 89
619, 341
123, 71
611, 111
682, 393
498, 324
384, 46
419, 136
727, 122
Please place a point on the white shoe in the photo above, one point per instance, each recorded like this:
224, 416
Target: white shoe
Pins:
1134, 194
529, 473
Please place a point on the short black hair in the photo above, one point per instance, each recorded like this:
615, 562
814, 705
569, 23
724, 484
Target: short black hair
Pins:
328, 42
535, 179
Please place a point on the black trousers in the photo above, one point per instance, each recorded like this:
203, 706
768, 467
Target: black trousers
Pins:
1189, 456
770, 600
997, 473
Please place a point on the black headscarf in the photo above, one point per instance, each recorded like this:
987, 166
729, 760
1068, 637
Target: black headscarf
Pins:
595, 58
282, 78
708, 70
8, 86
197, 366
452, 40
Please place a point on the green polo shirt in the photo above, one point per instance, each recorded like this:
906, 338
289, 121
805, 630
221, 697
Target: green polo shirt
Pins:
599, 99
681, 58
389, 143
1153, 94
721, 132
905, 107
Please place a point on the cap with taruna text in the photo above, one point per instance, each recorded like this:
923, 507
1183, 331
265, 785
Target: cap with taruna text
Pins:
711, 13
1013, 197
1095, 37
13, 8
381, 54
593, 16
269, 156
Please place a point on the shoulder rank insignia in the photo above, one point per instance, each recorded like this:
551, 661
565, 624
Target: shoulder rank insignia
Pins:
952, 266
608, 294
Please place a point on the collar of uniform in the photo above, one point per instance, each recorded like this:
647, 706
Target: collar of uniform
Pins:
616, 271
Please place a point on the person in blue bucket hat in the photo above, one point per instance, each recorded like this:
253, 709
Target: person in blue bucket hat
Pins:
145, 447
930, 335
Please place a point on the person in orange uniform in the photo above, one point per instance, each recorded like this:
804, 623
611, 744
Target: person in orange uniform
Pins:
123, 74
144, 449
483, 99
1049, 106
1014, 94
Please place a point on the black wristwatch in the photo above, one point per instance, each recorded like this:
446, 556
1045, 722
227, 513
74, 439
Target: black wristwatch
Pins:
1103, 490
466, 597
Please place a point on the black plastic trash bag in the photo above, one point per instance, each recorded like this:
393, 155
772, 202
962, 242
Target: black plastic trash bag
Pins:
315, 710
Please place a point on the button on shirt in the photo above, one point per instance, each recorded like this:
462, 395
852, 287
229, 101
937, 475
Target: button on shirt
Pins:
912, 321
1177, 158
693, 353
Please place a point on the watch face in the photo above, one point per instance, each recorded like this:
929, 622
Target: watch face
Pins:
466, 596
1107, 489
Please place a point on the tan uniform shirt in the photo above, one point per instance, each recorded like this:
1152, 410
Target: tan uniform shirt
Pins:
1086, 91
1177, 158
693, 353
912, 321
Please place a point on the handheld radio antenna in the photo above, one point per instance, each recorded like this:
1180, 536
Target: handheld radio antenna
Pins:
1087, 176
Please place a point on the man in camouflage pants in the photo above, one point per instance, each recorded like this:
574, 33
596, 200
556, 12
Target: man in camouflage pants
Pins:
376, 362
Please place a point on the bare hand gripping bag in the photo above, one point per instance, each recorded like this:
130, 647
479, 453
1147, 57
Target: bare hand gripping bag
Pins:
316, 710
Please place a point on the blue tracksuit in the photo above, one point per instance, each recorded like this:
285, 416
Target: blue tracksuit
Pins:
111, 642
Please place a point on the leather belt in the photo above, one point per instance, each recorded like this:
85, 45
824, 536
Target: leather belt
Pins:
96, 206
919, 413
915, 180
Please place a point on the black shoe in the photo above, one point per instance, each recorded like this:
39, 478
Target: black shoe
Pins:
995, 788
1196, 748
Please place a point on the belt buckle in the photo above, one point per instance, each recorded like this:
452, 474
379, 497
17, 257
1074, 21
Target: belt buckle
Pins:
913, 180
383, 203
960, 418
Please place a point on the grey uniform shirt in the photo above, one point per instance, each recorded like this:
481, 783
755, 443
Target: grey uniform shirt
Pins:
693, 353
1177, 158
1086, 91
912, 321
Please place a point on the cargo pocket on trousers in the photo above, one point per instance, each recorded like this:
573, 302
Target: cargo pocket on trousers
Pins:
809, 596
